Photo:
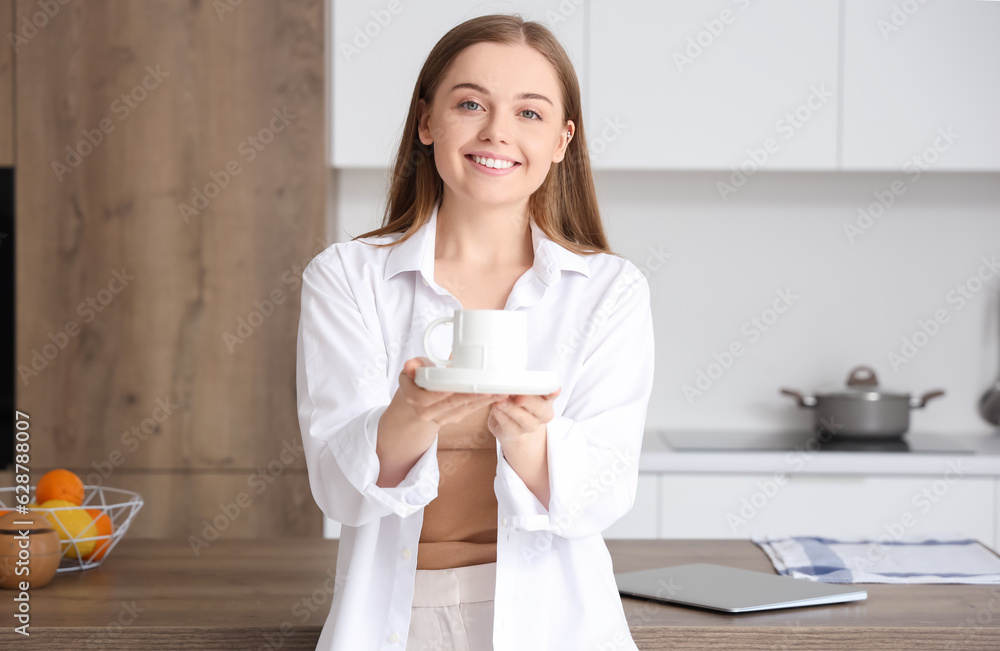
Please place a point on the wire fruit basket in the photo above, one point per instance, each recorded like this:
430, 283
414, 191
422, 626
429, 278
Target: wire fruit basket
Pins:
87, 551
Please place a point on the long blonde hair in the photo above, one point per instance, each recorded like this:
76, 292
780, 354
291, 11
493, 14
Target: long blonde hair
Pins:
564, 206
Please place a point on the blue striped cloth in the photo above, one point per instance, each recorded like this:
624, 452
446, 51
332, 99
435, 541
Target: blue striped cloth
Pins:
881, 561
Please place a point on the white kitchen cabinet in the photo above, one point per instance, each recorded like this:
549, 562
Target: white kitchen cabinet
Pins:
847, 506
914, 71
377, 48
643, 520
739, 505
720, 85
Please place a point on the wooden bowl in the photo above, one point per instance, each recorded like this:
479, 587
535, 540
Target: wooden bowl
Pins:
42, 549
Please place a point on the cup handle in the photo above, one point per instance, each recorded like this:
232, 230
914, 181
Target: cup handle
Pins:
427, 338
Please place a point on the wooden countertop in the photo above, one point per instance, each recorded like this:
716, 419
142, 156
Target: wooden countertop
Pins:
275, 594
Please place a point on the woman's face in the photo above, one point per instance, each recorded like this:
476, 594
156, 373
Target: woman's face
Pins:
502, 102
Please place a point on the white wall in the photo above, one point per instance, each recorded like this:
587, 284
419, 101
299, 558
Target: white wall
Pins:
856, 300
786, 230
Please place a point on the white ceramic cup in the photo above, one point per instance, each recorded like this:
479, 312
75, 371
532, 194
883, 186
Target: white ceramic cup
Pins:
487, 340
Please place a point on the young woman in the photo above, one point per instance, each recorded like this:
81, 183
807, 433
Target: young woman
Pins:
474, 521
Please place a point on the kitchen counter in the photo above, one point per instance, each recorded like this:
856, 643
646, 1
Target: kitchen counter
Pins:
806, 453
275, 594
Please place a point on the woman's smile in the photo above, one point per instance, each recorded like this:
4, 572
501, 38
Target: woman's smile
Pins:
485, 165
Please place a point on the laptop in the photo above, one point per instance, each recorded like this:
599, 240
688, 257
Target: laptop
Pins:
730, 589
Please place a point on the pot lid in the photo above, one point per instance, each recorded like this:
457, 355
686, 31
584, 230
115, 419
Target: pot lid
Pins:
862, 384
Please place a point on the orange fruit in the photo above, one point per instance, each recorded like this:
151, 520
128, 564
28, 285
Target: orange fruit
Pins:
59, 484
71, 523
103, 523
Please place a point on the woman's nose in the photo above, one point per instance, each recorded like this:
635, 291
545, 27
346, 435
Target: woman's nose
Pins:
496, 128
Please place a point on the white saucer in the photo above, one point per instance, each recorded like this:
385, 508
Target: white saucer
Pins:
463, 380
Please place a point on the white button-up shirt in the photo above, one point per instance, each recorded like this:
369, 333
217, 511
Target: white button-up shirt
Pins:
364, 312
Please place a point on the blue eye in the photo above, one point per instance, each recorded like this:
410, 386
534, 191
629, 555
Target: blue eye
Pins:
475, 106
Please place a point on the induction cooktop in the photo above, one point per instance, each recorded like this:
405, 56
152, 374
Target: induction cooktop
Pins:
916, 443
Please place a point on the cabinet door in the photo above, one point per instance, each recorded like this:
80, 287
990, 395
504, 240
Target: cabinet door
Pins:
738, 506
921, 85
719, 85
377, 48
643, 520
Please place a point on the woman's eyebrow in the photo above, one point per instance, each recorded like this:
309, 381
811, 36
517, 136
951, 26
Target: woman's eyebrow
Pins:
480, 89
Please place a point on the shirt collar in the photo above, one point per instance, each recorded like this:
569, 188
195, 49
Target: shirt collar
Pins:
417, 254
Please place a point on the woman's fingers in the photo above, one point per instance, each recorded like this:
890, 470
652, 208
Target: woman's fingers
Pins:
441, 406
411, 365
438, 406
455, 407
415, 393
539, 407
524, 420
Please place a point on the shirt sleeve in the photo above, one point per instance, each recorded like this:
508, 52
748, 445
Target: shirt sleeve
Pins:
593, 446
342, 392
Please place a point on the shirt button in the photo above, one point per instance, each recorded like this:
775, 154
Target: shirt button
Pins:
503, 521
426, 284
406, 553
394, 638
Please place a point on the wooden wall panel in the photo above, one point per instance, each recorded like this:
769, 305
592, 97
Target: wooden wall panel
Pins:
127, 112
7, 84
209, 505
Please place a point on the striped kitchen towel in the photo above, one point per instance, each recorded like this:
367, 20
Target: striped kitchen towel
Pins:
879, 561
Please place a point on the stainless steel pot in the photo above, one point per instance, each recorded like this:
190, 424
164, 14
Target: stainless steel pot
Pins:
862, 408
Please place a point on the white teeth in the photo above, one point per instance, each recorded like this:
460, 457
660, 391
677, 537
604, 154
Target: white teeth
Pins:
495, 164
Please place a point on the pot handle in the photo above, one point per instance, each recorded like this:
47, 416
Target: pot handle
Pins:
804, 401
921, 402
862, 376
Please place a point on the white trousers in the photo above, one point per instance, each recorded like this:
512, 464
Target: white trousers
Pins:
453, 609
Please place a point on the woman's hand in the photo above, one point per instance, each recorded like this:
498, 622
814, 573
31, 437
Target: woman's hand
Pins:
520, 424
412, 420
432, 409
515, 417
